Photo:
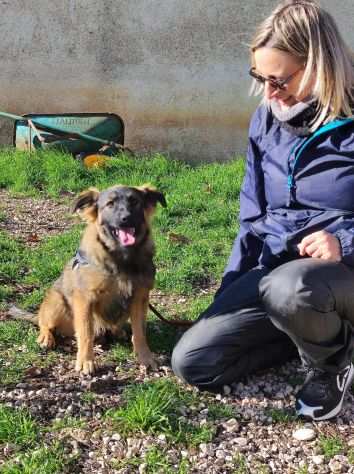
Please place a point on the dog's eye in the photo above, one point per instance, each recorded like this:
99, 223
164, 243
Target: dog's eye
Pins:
110, 204
133, 201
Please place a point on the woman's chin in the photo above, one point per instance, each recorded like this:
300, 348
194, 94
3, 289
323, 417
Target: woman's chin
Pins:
286, 103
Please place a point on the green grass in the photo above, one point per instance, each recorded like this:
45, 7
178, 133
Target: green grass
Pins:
17, 427
46, 263
153, 408
240, 464
350, 455
219, 411
202, 206
88, 397
42, 460
66, 422
331, 445
12, 259
155, 461
19, 351
303, 470
280, 416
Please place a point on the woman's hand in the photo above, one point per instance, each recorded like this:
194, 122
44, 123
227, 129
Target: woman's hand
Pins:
321, 244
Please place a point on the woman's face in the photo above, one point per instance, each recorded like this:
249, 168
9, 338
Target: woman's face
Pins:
275, 64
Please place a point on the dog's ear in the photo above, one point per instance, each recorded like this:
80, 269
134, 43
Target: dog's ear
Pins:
86, 204
152, 196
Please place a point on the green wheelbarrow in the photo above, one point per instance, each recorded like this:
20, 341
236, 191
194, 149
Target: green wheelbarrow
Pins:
86, 136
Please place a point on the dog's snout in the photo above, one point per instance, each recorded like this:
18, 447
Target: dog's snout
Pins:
124, 218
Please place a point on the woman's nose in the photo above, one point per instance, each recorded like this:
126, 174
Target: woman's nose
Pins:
269, 91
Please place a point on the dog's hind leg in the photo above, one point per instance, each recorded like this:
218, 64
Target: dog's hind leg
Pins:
138, 314
84, 331
52, 311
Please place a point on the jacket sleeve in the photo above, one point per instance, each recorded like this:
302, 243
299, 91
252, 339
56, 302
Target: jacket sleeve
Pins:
346, 239
247, 247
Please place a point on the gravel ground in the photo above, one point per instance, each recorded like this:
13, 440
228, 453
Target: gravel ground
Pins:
267, 444
264, 434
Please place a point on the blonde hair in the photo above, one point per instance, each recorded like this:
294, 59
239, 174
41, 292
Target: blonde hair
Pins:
306, 31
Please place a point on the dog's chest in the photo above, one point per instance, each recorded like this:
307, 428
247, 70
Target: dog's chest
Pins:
113, 299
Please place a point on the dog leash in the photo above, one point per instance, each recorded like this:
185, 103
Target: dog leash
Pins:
171, 322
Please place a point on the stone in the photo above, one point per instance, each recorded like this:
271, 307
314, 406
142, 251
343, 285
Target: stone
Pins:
318, 460
241, 441
231, 425
304, 434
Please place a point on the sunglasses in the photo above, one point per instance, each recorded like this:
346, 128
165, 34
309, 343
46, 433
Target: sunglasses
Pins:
279, 84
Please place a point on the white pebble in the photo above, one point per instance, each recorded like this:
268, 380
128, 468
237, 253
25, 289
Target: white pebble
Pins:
231, 425
318, 460
241, 441
304, 434
203, 447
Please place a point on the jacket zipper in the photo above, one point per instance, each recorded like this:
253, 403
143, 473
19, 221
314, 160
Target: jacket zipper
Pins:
299, 147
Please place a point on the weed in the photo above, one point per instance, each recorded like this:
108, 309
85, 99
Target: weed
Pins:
239, 464
350, 456
303, 470
88, 397
217, 411
42, 460
155, 461
119, 353
12, 259
152, 408
261, 468
330, 446
19, 351
66, 422
280, 416
17, 426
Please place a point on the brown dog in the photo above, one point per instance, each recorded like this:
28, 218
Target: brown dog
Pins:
109, 279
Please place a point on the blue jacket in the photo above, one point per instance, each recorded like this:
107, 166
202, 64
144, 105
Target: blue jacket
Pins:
293, 186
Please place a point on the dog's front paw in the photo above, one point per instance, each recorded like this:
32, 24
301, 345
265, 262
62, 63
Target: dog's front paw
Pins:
147, 360
85, 367
46, 339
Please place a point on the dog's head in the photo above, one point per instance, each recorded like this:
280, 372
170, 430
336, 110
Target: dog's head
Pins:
121, 213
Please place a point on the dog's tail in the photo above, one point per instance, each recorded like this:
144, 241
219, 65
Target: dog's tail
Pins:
22, 315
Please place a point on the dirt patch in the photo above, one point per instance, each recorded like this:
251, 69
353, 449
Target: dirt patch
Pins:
30, 219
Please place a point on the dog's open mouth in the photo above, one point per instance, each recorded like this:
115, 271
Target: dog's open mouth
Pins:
125, 235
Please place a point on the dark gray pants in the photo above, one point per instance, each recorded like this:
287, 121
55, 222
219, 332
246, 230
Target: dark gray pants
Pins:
264, 318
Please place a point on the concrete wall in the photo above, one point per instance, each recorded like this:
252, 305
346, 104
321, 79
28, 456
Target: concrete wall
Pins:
175, 70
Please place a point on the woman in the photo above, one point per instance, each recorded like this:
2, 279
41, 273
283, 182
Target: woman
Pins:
289, 283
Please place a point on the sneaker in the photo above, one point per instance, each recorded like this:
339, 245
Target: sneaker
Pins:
322, 394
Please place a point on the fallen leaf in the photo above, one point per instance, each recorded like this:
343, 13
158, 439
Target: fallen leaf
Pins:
178, 238
33, 238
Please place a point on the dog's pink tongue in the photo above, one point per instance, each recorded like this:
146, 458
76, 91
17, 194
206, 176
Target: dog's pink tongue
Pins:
127, 236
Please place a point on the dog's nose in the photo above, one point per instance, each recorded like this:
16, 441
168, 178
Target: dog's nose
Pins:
124, 217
